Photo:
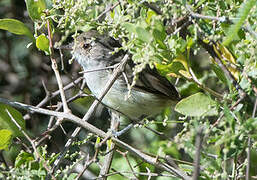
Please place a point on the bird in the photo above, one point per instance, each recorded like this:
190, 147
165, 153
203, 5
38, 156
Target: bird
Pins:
147, 97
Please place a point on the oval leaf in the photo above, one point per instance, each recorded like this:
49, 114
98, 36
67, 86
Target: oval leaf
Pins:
5, 138
197, 105
143, 34
130, 27
42, 43
16, 27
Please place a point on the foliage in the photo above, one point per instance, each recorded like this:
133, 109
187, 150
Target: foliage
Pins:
210, 46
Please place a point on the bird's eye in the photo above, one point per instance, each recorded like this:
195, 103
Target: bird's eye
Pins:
86, 45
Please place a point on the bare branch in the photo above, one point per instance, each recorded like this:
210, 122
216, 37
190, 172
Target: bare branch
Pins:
93, 129
110, 148
198, 145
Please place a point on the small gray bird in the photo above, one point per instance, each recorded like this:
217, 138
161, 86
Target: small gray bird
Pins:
149, 96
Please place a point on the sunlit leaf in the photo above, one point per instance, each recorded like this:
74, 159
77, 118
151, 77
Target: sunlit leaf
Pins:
197, 105
227, 59
150, 13
5, 138
42, 43
23, 158
16, 27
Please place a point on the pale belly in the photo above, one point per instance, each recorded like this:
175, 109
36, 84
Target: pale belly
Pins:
134, 105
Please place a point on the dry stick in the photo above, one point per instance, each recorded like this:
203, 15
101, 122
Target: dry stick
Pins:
55, 69
200, 16
198, 145
213, 54
59, 106
200, 85
110, 148
74, 83
107, 10
247, 176
50, 95
231, 108
31, 142
211, 51
139, 173
50, 129
222, 19
87, 164
70, 117
124, 154
249, 144
91, 110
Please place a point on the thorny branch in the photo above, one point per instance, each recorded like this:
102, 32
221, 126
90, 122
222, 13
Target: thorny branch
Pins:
70, 117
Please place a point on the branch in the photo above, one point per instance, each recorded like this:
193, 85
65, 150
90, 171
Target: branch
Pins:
110, 148
55, 69
70, 117
198, 145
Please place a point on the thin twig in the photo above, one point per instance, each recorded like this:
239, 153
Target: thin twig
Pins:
98, 69
139, 173
231, 108
87, 164
153, 7
200, 16
200, 85
198, 145
124, 154
55, 69
110, 148
50, 95
249, 145
107, 10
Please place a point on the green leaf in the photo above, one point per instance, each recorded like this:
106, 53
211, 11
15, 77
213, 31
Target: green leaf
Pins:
72, 176
42, 43
158, 24
150, 13
6, 121
243, 13
23, 158
16, 27
171, 69
143, 34
5, 138
109, 143
197, 105
36, 8
131, 28
159, 37
219, 73
98, 140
